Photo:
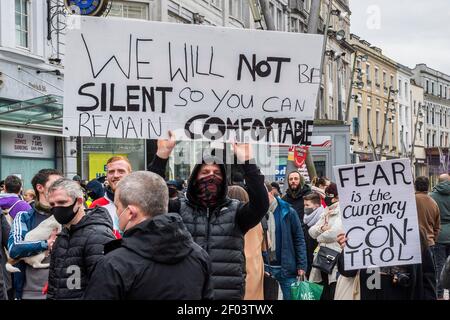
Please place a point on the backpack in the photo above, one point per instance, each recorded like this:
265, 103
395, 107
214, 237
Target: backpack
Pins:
7, 211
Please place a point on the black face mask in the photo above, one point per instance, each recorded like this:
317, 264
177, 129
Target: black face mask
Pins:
64, 214
328, 201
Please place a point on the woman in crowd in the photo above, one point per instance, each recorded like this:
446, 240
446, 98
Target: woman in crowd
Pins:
254, 286
325, 231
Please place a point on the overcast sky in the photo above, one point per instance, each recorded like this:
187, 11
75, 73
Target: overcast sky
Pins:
408, 31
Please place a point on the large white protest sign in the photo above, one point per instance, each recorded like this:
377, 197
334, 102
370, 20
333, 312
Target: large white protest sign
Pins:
379, 214
138, 79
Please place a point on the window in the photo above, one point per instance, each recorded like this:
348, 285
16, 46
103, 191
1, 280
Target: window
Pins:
392, 82
376, 76
384, 80
22, 23
133, 10
427, 86
440, 90
368, 120
378, 104
359, 118
330, 71
400, 113
280, 20
441, 140
295, 25
217, 4
399, 86
377, 127
432, 88
407, 115
236, 9
433, 139
406, 91
368, 73
393, 134
428, 139
432, 116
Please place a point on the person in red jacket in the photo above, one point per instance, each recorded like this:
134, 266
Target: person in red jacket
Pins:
117, 168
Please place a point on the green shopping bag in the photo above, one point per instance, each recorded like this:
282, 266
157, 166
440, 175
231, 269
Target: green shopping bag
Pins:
305, 290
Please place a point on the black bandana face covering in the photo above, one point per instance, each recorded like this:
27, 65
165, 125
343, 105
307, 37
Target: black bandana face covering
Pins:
64, 214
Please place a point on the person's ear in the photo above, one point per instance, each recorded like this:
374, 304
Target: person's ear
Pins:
40, 188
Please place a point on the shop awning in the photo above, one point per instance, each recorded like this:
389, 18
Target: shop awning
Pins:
39, 114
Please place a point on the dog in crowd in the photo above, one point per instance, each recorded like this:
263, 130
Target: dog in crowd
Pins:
41, 233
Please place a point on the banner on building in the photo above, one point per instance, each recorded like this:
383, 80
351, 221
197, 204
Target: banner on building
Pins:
139, 79
379, 214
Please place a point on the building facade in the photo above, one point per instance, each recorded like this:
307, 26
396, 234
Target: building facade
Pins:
374, 110
404, 98
31, 90
436, 86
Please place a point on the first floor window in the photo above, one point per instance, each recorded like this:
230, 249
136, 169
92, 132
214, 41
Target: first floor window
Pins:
22, 23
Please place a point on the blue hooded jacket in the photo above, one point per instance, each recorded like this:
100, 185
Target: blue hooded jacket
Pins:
293, 246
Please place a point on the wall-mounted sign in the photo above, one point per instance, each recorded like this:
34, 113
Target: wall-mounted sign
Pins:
87, 7
17, 144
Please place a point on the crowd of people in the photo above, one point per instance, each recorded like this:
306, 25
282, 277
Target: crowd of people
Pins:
135, 235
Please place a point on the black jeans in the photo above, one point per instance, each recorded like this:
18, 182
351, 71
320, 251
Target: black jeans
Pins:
440, 253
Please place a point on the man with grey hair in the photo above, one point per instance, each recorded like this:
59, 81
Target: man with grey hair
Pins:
156, 258
80, 244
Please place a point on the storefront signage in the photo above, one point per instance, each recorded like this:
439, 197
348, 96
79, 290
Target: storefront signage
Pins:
18, 144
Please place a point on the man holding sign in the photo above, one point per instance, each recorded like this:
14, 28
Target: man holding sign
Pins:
217, 223
379, 216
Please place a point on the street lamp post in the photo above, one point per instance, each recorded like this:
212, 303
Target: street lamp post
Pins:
363, 58
412, 155
386, 118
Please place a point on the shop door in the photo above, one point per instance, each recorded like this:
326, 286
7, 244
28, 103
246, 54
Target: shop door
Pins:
25, 168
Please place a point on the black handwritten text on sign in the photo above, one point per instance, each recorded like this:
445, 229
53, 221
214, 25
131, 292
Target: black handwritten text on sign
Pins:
379, 215
141, 79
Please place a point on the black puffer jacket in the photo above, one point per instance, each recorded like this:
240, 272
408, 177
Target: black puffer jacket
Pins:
81, 247
155, 260
220, 230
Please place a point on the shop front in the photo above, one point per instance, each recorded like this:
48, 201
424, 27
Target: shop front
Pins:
95, 152
28, 131
24, 154
438, 162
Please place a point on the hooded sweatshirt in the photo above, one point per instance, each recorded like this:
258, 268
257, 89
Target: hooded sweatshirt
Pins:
13, 204
155, 260
441, 194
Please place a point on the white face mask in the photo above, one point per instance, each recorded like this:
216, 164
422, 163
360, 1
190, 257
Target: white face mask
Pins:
121, 231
